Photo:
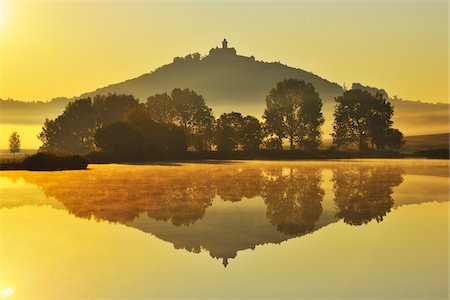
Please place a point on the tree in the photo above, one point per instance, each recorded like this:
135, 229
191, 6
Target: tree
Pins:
272, 143
311, 119
122, 140
195, 116
227, 133
161, 108
294, 112
74, 130
14, 143
251, 134
234, 132
273, 128
365, 120
159, 139
394, 139
111, 108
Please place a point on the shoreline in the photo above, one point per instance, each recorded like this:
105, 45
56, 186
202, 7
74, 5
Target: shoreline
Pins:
46, 162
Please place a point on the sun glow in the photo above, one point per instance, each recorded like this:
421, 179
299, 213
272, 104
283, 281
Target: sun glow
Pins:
2, 14
6, 292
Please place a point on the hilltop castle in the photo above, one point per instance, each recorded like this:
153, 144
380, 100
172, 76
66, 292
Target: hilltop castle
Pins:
224, 50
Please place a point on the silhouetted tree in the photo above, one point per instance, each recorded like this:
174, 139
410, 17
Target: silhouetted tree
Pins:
194, 57
195, 116
141, 141
111, 108
311, 119
394, 139
273, 128
137, 115
125, 142
234, 132
363, 119
227, 133
74, 130
162, 109
294, 112
251, 133
14, 143
272, 143
162, 140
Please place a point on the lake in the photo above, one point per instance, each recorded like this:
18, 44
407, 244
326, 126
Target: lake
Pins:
233, 229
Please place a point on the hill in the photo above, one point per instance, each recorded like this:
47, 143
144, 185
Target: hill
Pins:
227, 81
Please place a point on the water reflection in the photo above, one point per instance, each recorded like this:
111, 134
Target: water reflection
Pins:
293, 198
365, 193
223, 208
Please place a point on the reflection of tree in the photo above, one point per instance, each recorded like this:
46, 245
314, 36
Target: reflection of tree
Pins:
235, 183
121, 194
364, 193
293, 199
183, 201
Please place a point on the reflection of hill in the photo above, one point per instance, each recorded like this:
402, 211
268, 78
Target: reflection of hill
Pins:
225, 208
225, 229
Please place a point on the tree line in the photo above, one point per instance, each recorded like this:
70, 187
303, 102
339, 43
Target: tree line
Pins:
171, 124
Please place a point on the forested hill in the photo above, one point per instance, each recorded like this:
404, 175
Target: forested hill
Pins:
226, 80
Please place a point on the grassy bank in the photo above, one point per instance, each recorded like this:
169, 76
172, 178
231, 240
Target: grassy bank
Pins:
54, 162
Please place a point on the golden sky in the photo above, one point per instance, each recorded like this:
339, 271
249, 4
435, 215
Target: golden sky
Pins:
64, 48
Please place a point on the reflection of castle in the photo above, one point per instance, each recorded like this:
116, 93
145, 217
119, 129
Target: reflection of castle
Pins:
223, 51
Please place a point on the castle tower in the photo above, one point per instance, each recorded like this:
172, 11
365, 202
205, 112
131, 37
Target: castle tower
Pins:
224, 51
224, 44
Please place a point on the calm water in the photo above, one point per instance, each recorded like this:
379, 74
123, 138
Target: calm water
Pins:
335, 230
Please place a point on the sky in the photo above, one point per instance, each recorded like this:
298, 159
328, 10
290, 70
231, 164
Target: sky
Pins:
65, 48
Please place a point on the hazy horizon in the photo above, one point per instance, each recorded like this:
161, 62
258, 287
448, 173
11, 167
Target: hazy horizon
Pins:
79, 46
